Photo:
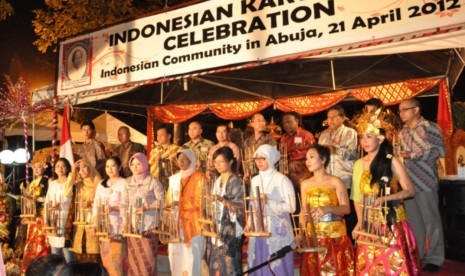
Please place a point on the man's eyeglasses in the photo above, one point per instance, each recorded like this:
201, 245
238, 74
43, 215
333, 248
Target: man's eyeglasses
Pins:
405, 109
259, 159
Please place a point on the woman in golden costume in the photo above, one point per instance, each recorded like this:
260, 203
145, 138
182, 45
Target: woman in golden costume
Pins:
385, 241
326, 200
83, 180
38, 187
32, 238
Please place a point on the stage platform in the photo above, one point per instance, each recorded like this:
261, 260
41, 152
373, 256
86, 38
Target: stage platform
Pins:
450, 267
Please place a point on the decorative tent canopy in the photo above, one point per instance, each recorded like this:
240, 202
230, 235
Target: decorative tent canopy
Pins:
43, 128
107, 130
295, 78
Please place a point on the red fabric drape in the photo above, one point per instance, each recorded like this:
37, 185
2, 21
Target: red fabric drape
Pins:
239, 111
390, 94
394, 93
177, 113
307, 105
444, 110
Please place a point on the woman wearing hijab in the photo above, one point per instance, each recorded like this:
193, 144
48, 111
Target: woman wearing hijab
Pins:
279, 204
83, 183
142, 187
185, 191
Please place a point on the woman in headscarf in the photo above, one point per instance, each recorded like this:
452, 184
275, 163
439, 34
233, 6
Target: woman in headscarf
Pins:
279, 204
144, 189
83, 183
223, 255
185, 191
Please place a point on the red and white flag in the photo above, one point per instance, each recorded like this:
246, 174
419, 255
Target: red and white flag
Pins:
66, 149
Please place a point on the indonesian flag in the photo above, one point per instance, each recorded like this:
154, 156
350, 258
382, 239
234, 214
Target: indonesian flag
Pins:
66, 149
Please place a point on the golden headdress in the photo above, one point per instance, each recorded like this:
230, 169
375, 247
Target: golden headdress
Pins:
372, 122
42, 156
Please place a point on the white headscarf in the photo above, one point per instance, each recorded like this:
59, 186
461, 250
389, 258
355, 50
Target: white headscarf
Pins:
193, 166
271, 155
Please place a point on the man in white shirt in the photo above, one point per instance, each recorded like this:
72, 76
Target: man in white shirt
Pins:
342, 143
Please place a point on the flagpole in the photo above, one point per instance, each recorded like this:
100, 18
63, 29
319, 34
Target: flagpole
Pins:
55, 127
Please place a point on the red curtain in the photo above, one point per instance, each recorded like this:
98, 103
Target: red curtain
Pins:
239, 111
394, 93
176, 113
390, 94
307, 105
444, 109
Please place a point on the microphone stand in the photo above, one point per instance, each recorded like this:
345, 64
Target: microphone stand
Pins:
273, 257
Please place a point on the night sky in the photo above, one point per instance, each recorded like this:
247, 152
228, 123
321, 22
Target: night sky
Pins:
18, 54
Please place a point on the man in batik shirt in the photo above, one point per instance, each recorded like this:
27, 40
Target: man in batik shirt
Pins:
127, 149
92, 150
422, 144
260, 135
162, 161
199, 145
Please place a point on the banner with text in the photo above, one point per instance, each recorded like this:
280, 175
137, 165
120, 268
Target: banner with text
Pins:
217, 33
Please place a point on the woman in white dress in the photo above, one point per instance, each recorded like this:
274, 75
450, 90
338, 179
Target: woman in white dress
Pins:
58, 198
279, 205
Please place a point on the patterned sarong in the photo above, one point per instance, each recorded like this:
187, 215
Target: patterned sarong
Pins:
115, 257
142, 255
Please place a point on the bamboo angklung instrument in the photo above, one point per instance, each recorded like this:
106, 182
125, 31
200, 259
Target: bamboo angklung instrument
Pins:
283, 164
256, 215
168, 226
209, 211
28, 207
53, 217
308, 243
103, 220
372, 225
135, 221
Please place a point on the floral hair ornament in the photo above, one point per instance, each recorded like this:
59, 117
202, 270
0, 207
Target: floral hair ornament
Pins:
385, 179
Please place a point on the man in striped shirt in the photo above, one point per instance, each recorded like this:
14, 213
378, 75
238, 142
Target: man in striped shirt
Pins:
422, 144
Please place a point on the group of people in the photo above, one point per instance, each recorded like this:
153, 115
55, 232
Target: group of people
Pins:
385, 199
